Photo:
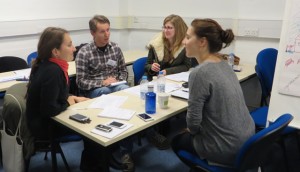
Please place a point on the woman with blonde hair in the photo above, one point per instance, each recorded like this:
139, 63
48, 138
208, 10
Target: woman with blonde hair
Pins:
166, 52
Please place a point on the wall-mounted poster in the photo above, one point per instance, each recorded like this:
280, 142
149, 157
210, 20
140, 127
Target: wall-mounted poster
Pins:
289, 77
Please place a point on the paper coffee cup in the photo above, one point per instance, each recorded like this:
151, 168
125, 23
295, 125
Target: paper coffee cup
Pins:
163, 100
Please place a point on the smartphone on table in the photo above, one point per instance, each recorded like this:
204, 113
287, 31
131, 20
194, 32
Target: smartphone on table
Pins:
80, 118
145, 117
104, 128
117, 124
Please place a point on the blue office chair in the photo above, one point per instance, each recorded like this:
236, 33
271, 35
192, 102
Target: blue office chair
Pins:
139, 69
31, 57
265, 69
254, 153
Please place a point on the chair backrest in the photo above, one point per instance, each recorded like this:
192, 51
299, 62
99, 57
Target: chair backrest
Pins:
139, 69
265, 68
14, 109
77, 49
10, 63
257, 148
31, 57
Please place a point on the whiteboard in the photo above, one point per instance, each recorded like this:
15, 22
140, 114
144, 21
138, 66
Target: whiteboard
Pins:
286, 86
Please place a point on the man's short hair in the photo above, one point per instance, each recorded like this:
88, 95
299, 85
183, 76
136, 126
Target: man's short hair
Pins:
97, 19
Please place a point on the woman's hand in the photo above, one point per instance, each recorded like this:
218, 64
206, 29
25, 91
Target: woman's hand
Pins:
71, 100
185, 130
80, 99
155, 67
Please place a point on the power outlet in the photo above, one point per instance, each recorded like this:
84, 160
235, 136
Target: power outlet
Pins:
251, 32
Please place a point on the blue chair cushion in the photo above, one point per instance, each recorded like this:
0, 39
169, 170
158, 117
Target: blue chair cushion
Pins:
2, 94
202, 162
69, 138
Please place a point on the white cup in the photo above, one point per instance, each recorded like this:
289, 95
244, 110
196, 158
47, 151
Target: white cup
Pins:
163, 100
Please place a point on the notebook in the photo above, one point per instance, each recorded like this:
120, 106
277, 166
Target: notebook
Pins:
182, 93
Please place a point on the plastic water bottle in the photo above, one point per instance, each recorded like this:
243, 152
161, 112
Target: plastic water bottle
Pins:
143, 87
150, 105
231, 59
161, 82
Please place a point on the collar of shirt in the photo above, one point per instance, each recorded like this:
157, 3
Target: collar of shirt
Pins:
95, 48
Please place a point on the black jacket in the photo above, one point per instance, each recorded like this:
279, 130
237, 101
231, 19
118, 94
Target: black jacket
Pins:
46, 97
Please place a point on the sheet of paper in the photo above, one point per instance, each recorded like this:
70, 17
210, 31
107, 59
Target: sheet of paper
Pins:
117, 113
105, 101
24, 72
179, 77
181, 94
133, 90
10, 78
169, 88
114, 132
118, 83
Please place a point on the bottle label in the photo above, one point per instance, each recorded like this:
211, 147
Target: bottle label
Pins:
161, 88
142, 95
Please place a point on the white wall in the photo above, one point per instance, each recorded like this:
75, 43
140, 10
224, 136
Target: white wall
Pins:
135, 22
22, 21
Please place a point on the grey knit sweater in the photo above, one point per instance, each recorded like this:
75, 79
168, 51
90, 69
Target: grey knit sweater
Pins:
217, 115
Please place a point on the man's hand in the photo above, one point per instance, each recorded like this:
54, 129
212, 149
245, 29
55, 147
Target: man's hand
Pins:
109, 80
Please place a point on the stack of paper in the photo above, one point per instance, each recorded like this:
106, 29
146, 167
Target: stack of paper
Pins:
114, 132
183, 93
117, 113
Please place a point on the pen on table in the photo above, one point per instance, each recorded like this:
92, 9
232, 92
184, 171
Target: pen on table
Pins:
78, 108
22, 79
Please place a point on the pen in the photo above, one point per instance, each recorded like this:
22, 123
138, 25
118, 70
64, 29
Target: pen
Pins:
22, 79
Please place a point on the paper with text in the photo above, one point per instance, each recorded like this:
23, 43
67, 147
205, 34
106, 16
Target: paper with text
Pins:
114, 132
179, 77
117, 113
107, 101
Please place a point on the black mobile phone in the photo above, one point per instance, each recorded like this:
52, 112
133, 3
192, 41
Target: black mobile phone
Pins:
117, 124
104, 128
145, 117
80, 118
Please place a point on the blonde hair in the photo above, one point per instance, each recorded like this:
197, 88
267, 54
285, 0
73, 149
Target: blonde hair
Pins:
180, 32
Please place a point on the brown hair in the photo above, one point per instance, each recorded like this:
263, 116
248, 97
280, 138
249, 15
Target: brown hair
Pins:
180, 32
97, 19
52, 37
213, 32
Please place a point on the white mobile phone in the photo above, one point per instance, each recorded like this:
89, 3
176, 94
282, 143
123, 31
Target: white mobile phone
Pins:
104, 128
145, 117
117, 124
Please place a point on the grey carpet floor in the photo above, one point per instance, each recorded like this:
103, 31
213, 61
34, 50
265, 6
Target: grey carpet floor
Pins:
146, 157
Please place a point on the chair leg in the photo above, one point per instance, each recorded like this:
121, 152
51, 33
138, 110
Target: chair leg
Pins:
27, 163
140, 139
53, 156
63, 157
46, 155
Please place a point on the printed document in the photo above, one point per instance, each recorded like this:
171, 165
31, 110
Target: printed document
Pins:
114, 132
105, 101
117, 113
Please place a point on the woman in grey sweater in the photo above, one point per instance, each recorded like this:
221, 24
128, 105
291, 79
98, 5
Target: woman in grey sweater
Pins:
218, 121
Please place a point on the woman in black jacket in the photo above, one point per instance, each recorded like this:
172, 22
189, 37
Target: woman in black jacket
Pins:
48, 90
